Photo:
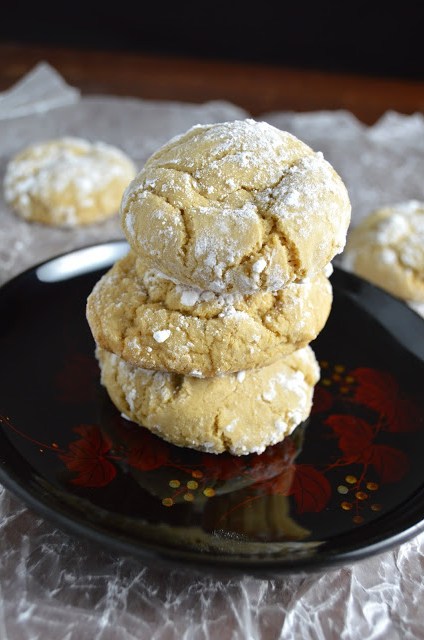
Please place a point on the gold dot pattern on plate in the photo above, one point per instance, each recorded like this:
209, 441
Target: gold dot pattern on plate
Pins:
372, 486
188, 490
337, 377
358, 519
361, 495
358, 498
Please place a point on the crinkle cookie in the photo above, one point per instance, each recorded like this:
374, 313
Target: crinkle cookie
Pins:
240, 413
387, 248
236, 207
67, 181
146, 319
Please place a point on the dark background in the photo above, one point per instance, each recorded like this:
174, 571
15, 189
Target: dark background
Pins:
366, 37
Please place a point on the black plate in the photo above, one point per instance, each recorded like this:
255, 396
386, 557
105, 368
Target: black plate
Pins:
346, 484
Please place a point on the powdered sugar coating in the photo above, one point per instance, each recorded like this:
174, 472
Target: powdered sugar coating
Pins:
236, 207
161, 336
68, 181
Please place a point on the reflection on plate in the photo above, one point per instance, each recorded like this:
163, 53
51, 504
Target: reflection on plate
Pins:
346, 484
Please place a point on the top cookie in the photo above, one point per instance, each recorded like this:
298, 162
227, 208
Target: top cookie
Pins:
387, 248
68, 181
236, 207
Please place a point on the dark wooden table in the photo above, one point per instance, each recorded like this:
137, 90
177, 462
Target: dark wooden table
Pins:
256, 87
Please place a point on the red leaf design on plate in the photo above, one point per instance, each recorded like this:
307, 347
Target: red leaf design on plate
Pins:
87, 458
310, 488
355, 436
150, 457
323, 400
390, 464
356, 442
380, 391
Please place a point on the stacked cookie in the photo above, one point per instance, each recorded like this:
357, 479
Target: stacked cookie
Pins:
202, 329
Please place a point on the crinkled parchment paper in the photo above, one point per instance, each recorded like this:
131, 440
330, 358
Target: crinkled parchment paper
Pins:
54, 587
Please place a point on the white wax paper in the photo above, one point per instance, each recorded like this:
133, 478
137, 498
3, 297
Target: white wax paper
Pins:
54, 587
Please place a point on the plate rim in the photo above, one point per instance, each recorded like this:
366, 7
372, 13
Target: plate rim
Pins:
266, 567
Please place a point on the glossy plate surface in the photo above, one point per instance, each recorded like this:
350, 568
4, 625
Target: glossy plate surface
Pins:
347, 484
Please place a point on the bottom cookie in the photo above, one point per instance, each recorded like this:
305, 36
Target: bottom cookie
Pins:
240, 412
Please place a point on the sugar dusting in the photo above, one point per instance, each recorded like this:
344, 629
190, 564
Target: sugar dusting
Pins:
189, 297
259, 265
162, 335
293, 381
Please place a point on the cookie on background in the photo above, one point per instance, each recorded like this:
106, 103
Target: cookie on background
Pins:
67, 181
387, 248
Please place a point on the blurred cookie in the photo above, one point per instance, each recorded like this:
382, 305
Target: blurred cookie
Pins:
237, 413
236, 207
148, 320
387, 248
67, 182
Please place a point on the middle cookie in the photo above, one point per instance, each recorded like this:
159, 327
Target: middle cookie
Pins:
149, 321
